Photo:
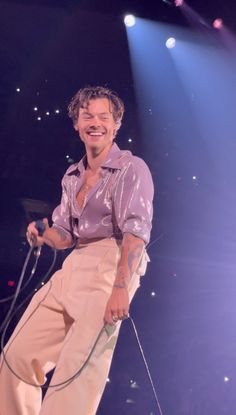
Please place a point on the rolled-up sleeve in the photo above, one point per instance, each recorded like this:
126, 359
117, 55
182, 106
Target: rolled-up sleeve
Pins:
62, 213
133, 199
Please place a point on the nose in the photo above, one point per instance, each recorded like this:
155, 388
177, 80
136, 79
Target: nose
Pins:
95, 122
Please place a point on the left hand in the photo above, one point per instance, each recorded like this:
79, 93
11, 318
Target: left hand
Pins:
117, 306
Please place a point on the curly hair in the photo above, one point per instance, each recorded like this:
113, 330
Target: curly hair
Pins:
84, 95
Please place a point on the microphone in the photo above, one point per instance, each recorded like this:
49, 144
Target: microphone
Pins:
40, 226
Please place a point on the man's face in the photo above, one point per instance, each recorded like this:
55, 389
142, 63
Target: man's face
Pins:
96, 125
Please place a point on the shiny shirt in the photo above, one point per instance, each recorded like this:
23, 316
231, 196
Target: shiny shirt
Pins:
121, 201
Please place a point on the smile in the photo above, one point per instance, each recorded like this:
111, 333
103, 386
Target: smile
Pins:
95, 134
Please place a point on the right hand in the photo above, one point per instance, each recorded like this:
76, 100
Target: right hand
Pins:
32, 234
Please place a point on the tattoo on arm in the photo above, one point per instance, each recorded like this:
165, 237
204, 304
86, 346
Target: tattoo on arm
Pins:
134, 257
57, 238
131, 251
61, 234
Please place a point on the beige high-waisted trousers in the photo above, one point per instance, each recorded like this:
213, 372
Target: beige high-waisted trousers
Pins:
59, 329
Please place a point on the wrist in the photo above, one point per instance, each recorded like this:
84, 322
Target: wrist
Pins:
122, 282
119, 285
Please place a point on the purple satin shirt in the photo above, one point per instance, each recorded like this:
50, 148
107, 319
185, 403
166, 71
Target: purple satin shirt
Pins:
121, 201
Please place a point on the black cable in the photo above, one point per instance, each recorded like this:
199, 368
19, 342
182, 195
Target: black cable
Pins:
18, 290
63, 384
68, 381
10, 315
37, 255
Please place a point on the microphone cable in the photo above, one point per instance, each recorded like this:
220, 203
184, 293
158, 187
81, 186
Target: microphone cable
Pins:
146, 366
19, 289
37, 255
67, 382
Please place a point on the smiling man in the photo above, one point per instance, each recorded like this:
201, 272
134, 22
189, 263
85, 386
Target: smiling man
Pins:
105, 213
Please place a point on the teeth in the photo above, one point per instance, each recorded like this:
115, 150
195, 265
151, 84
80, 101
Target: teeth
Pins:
95, 134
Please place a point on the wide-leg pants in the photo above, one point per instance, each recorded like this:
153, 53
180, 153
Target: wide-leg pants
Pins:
58, 330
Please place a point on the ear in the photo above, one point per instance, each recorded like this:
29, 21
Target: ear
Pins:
118, 124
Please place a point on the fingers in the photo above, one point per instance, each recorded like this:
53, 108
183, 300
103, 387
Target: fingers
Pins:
32, 234
45, 221
108, 318
117, 308
113, 315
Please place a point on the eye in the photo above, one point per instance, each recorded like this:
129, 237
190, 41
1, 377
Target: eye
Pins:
86, 117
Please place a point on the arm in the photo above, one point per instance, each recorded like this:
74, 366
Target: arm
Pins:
118, 304
60, 235
131, 251
55, 236
133, 196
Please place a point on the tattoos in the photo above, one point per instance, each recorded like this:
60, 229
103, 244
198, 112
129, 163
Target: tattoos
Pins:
134, 257
121, 278
62, 234
57, 238
131, 251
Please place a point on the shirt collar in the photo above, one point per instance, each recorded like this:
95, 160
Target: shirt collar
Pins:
111, 162
113, 158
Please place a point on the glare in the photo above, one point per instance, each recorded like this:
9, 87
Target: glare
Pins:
170, 43
129, 20
218, 24
35, 108
17, 89
179, 3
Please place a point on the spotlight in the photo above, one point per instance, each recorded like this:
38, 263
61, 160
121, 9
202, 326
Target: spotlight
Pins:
179, 3
129, 20
218, 24
170, 43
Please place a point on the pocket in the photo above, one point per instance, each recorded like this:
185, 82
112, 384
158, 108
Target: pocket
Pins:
142, 267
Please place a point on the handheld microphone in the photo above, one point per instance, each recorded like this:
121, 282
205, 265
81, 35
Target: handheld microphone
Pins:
40, 226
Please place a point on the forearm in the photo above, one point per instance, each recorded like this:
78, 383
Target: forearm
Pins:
131, 251
57, 238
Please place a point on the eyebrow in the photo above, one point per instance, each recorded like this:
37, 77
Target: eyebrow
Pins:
100, 113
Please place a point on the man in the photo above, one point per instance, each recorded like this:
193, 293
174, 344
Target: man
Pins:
106, 213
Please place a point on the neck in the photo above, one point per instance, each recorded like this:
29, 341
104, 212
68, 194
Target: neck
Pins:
95, 159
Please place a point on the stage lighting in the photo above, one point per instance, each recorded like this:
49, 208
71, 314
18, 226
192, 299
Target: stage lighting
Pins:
129, 20
218, 24
170, 43
179, 3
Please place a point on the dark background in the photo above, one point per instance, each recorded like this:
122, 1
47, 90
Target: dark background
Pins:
185, 310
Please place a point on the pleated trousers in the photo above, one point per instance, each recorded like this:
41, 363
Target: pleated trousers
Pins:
58, 330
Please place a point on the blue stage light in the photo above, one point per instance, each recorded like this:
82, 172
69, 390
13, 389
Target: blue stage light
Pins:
129, 20
170, 43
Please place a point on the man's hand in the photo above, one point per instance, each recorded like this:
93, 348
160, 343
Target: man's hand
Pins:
32, 234
117, 306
